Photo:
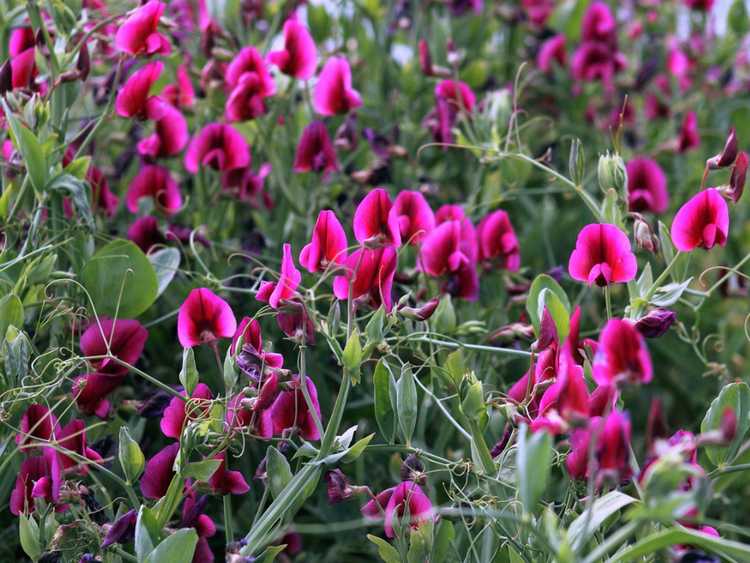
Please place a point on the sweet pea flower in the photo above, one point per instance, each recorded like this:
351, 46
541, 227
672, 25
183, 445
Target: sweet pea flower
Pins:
247, 100
225, 481
139, 35
134, 100
145, 233
252, 343
275, 293
689, 138
622, 355
238, 416
414, 216
701, 222
159, 472
449, 212
22, 57
299, 57
290, 410
699, 5
176, 413
551, 51
656, 322
647, 186
193, 516
602, 256
204, 317
396, 501
248, 186
90, 392
334, 93
369, 273
180, 94
598, 23
315, 151
497, 242
72, 437
122, 338
249, 62
155, 182
538, 11
39, 477
170, 135
327, 246
219, 146
568, 396
373, 220
122, 530
612, 448
451, 250
38, 423
737, 179
458, 94
594, 61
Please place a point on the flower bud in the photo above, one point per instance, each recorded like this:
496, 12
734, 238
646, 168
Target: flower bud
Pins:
339, 488
645, 239
727, 155
83, 64
656, 322
6, 77
737, 179
611, 173
421, 313
412, 469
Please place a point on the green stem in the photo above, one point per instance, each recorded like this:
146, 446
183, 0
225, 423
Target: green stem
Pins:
479, 347
488, 464
612, 541
608, 302
228, 528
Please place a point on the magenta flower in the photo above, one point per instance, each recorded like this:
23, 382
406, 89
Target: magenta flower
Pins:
204, 317
225, 481
176, 413
701, 222
145, 233
396, 501
134, 100
122, 338
249, 63
594, 61
299, 57
737, 179
239, 416
22, 57
647, 186
90, 392
246, 100
289, 410
497, 242
373, 220
170, 136
193, 516
602, 256
568, 396
275, 293
315, 152
252, 341
248, 186
72, 437
551, 51
414, 216
451, 250
369, 274
154, 182
449, 212
458, 95
159, 472
180, 94
689, 138
598, 23
699, 5
333, 92
139, 35
38, 477
38, 423
219, 146
612, 448
538, 11
622, 355
327, 246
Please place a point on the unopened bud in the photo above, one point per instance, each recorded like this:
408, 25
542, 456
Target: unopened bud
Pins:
727, 155
611, 173
339, 488
655, 323
412, 469
645, 238
421, 313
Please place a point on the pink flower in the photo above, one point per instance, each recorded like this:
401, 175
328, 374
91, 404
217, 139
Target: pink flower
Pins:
451, 250
458, 95
396, 501
38, 477
315, 152
290, 410
225, 481
203, 318
647, 186
193, 516
145, 233
333, 92
219, 146
538, 11
180, 94
699, 5
689, 138
701, 222
159, 472
248, 186
612, 448
327, 246
155, 182
169, 138
122, 338
90, 392
552, 50
737, 179
38, 423
246, 100
594, 61
249, 62
22, 57
134, 100
276, 293
569, 395
449, 212
72, 437
138, 34
240, 417
622, 355
252, 341
497, 242
369, 273
373, 220
598, 23
602, 256
176, 413
299, 56
414, 216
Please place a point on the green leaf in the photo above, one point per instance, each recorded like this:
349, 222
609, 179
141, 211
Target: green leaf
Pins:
601, 509
11, 313
166, 262
443, 541
29, 534
406, 403
557, 310
269, 555
533, 458
279, 472
189, 372
120, 268
420, 543
472, 405
130, 455
31, 150
665, 243
443, 320
387, 552
16, 351
384, 414
670, 293
455, 366
146, 528
201, 470
77, 191
677, 536
737, 397
357, 449
180, 546
541, 282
